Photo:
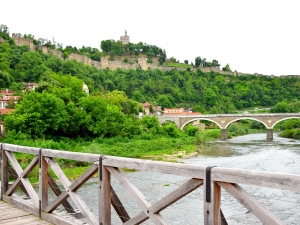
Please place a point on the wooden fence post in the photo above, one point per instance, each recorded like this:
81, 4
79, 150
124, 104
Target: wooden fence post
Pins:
4, 173
104, 195
43, 183
212, 200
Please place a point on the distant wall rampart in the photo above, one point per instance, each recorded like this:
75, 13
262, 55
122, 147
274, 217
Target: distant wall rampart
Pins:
113, 65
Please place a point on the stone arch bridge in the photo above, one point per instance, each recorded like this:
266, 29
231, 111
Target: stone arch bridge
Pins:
224, 120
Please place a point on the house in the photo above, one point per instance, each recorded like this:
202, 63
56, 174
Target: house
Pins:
147, 108
29, 86
7, 97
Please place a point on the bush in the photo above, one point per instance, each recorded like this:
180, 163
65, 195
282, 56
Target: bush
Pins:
287, 134
296, 134
191, 130
171, 130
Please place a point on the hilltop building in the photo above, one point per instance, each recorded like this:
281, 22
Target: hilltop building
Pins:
124, 39
86, 88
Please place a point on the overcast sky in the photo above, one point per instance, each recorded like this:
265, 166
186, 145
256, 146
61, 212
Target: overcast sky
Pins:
260, 36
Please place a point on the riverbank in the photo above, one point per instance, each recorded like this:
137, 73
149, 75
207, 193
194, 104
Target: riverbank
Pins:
150, 147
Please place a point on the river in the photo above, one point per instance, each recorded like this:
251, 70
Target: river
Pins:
251, 152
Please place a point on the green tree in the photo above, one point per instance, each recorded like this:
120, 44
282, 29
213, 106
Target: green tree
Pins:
39, 115
281, 107
226, 68
198, 61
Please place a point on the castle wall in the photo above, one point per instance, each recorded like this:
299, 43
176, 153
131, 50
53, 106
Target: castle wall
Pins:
24, 41
105, 63
57, 53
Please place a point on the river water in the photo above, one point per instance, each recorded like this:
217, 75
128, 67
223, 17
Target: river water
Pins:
251, 152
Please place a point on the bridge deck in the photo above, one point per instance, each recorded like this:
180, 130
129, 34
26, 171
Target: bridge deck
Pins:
10, 214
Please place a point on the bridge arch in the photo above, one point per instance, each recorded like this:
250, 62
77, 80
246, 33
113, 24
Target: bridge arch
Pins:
186, 123
246, 118
287, 118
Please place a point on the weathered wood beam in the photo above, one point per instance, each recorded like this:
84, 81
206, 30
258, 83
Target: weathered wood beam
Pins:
84, 177
17, 182
25, 181
83, 157
34, 162
174, 196
187, 170
4, 173
257, 178
62, 196
105, 200
211, 212
58, 192
86, 212
262, 213
136, 195
43, 183
118, 206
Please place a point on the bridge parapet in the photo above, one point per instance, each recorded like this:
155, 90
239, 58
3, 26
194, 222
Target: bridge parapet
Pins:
224, 120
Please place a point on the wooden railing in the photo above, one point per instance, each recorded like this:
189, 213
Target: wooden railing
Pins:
213, 179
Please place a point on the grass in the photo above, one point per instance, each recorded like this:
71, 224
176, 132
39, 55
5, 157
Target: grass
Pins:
151, 147
182, 65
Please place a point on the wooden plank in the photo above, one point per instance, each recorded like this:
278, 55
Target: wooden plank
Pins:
62, 196
105, 200
58, 192
14, 187
118, 206
21, 220
263, 214
25, 181
211, 212
4, 174
187, 170
84, 177
50, 217
74, 196
25, 173
14, 174
171, 198
34, 162
83, 157
257, 178
43, 182
59, 200
136, 195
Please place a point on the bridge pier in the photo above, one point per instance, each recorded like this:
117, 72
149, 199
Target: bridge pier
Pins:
224, 134
269, 134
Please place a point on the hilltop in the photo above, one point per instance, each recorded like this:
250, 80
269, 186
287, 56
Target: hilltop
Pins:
117, 54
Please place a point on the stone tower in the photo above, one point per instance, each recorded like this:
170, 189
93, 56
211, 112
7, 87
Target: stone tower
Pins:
124, 39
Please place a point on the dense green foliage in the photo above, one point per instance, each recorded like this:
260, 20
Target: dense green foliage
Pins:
205, 92
116, 48
61, 109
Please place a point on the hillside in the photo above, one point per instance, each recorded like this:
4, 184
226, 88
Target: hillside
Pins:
203, 89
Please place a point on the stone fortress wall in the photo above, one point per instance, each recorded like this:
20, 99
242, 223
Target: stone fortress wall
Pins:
113, 65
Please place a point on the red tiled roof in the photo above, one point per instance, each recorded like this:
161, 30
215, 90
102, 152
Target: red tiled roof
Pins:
8, 98
7, 92
6, 111
146, 104
182, 114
